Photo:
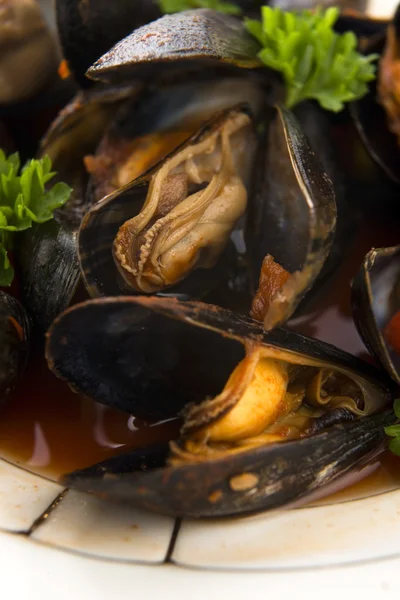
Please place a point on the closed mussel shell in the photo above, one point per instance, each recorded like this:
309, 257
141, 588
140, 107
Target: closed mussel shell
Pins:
193, 38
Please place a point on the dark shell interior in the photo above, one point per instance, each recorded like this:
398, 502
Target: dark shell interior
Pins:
375, 298
293, 214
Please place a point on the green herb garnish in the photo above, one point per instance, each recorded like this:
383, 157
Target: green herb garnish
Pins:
24, 200
315, 61
394, 430
174, 6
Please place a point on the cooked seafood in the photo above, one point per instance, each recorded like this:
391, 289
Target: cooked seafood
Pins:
289, 195
155, 356
46, 253
176, 185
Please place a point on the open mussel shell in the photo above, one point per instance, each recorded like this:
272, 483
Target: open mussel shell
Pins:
368, 113
293, 215
153, 356
375, 300
88, 29
196, 38
101, 224
14, 343
371, 122
46, 254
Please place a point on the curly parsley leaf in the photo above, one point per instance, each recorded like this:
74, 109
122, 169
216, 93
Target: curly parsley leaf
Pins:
316, 62
24, 199
174, 6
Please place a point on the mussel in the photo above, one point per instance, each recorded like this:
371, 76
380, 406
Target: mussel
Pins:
289, 196
376, 114
46, 254
14, 343
247, 448
115, 251
193, 39
376, 302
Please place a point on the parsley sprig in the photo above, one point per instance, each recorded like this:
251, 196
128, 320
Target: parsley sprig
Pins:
173, 6
393, 431
24, 200
315, 61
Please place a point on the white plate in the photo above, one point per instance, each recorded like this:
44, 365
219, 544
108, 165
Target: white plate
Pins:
63, 542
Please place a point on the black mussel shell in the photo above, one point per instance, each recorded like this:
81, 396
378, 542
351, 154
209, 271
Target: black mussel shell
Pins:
375, 300
143, 354
14, 343
152, 356
320, 129
199, 37
47, 254
258, 480
293, 215
89, 29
